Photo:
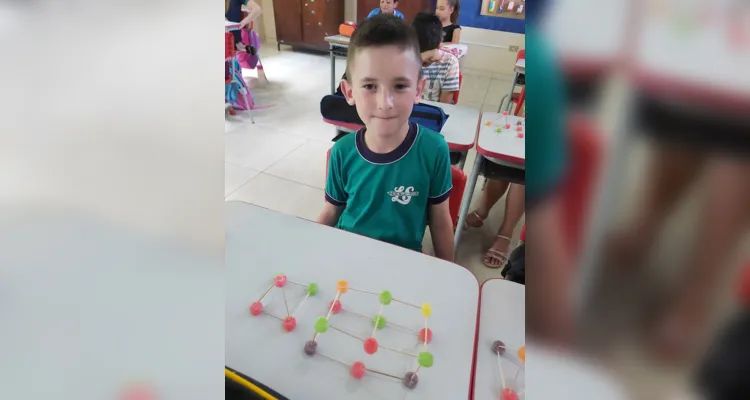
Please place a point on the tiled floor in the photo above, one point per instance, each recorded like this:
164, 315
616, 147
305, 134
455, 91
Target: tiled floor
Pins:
279, 162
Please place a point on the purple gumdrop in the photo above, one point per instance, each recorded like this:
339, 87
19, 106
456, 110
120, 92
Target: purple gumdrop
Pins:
411, 379
311, 347
498, 347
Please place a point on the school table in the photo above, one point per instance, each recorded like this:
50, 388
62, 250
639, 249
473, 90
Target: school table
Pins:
500, 155
502, 316
261, 243
518, 69
231, 26
338, 47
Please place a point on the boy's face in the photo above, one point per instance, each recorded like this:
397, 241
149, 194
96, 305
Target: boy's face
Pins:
384, 86
387, 6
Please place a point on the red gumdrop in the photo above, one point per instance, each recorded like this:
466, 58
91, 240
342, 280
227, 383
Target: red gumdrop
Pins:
507, 126
279, 280
422, 335
509, 394
256, 308
290, 323
358, 370
335, 305
505, 113
371, 346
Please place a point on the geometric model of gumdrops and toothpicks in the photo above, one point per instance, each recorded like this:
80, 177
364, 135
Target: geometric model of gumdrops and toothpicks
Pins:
502, 122
279, 282
498, 347
371, 346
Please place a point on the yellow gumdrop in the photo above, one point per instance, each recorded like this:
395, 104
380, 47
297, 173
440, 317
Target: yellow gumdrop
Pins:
342, 286
426, 309
522, 353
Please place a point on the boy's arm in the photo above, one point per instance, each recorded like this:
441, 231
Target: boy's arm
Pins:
253, 12
450, 82
441, 230
330, 214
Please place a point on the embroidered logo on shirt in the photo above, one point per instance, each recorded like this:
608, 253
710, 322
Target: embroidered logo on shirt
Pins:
402, 195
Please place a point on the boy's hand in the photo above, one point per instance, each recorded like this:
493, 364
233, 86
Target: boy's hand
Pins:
441, 230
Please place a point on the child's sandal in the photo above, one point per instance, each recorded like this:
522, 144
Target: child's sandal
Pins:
495, 258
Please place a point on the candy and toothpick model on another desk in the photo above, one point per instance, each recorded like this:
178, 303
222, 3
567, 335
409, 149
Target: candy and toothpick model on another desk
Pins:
498, 347
371, 345
507, 125
280, 281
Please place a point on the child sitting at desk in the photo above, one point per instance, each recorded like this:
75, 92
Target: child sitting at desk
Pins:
387, 179
386, 7
447, 11
439, 67
233, 13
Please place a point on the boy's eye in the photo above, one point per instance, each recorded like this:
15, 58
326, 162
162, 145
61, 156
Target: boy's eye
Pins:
369, 86
401, 86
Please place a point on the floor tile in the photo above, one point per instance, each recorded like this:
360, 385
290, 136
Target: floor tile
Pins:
256, 147
497, 89
306, 165
281, 195
235, 176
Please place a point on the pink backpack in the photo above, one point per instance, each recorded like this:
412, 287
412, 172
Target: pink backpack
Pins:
248, 61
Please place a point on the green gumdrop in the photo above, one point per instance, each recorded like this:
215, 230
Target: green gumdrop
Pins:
379, 323
425, 359
385, 297
312, 289
321, 325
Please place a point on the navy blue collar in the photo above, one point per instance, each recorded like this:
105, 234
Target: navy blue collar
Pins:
386, 158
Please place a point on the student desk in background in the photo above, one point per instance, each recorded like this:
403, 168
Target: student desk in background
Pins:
500, 155
231, 26
261, 243
338, 47
518, 70
502, 316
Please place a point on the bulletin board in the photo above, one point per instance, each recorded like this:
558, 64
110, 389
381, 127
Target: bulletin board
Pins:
497, 15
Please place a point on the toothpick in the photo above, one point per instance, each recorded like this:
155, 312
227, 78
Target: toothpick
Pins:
347, 333
364, 291
417, 370
398, 351
264, 294
425, 334
335, 299
283, 293
297, 283
392, 324
331, 358
408, 304
271, 315
300, 304
377, 321
382, 373
502, 375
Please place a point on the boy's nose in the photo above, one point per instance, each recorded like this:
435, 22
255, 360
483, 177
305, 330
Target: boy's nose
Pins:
385, 100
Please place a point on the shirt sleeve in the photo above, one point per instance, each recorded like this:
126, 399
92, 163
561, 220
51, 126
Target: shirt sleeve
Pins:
450, 79
399, 14
441, 181
335, 193
372, 13
546, 142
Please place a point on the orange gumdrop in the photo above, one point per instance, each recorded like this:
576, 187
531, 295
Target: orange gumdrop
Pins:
522, 353
342, 286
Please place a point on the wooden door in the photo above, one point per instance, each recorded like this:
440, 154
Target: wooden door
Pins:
321, 18
409, 8
288, 18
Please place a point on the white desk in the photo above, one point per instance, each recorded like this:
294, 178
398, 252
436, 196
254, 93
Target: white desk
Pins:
261, 243
338, 47
504, 148
502, 316
231, 26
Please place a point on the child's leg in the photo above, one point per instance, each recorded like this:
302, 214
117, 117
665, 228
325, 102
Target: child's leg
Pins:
724, 219
515, 205
491, 194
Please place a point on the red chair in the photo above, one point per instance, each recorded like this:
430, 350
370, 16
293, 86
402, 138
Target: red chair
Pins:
460, 80
458, 179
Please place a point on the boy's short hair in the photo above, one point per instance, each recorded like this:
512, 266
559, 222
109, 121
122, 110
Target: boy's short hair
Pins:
429, 31
381, 30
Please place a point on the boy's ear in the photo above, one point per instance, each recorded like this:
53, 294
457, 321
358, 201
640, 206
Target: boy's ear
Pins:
420, 89
346, 88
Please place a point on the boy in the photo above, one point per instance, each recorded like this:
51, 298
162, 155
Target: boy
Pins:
389, 178
386, 7
439, 67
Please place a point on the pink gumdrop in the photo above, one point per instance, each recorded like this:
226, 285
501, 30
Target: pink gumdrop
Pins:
520, 135
335, 306
290, 323
256, 308
422, 335
505, 113
507, 126
138, 393
358, 370
279, 280
371, 346
509, 394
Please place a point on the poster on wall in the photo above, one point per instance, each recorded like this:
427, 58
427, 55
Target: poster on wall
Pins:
498, 15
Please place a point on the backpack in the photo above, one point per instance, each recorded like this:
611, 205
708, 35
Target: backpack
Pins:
515, 268
334, 107
248, 61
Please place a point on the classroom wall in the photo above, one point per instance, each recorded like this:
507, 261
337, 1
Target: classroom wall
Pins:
480, 59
